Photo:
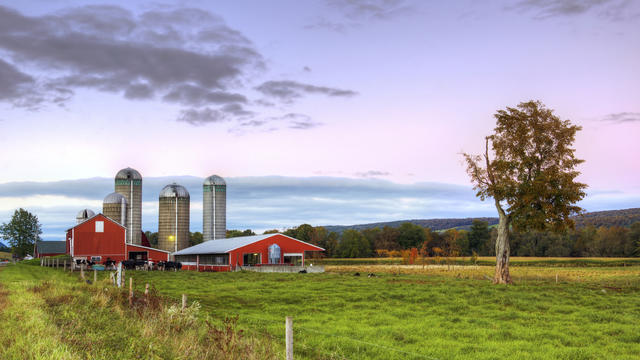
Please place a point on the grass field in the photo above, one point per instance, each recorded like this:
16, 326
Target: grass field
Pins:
411, 312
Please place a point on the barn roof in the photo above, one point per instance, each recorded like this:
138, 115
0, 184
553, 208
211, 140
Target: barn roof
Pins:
227, 245
51, 247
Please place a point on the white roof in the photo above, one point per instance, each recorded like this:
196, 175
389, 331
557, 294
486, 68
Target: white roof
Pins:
226, 245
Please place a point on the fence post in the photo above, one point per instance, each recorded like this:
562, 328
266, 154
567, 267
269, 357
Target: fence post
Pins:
95, 276
57, 262
82, 272
146, 289
65, 266
289, 337
130, 290
556, 278
184, 301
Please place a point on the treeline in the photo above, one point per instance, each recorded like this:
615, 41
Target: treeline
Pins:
587, 241
613, 241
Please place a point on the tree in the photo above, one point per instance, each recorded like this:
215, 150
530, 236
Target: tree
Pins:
411, 235
353, 245
195, 238
21, 232
272, 231
530, 174
237, 233
478, 235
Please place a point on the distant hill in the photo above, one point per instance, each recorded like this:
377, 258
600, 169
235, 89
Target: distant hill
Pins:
4, 248
607, 218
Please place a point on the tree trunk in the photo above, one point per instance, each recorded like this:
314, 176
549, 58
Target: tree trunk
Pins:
502, 250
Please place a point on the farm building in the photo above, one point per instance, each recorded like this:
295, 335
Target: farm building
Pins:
100, 238
246, 251
50, 248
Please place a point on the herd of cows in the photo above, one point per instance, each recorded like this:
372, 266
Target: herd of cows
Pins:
134, 265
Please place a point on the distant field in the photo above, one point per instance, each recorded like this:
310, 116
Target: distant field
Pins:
411, 312
489, 261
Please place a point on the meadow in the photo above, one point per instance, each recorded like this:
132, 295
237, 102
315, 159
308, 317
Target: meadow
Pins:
404, 312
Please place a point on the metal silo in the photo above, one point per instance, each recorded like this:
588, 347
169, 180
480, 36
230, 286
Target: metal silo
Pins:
173, 220
83, 215
129, 184
214, 220
115, 207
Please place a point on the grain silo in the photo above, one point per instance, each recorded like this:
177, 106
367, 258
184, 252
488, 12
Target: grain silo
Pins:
115, 207
129, 184
214, 220
83, 215
173, 218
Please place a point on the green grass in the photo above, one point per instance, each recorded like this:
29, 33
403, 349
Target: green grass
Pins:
48, 314
338, 315
591, 313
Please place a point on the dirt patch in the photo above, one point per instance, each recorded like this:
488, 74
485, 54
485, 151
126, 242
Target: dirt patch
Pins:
42, 287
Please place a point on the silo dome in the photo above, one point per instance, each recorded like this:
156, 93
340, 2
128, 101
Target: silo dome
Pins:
84, 214
114, 198
214, 180
128, 174
174, 190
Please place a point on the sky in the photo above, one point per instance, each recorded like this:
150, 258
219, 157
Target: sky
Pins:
323, 112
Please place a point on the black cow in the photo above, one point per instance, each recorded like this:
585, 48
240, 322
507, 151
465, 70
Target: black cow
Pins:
129, 264
170, 265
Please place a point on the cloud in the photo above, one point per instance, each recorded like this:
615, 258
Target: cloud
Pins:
623, 117
372, 173
610, 9
346, 14
185, 56
253, 202
288, 91
270, 202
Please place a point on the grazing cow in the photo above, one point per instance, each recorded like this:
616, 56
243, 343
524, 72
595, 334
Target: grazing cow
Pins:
129, 264
171, 265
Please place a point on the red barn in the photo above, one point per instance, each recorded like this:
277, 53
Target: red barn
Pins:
99, 238
257, 250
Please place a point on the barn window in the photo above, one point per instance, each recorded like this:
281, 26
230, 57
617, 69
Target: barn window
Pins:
214, 259
252, 259
96, 259
99, 226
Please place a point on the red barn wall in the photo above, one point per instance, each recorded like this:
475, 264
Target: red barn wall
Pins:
108, 244
152, 254
287, 245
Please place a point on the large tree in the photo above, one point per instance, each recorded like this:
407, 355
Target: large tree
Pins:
22, 232
530, 174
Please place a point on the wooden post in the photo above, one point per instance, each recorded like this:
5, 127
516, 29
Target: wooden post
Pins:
95, 276
57, 262
81, 272
146, 289
289, 337
556, 278
184, 301
65, 266
130, 290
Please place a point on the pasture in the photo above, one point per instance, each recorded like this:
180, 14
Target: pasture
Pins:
412, 312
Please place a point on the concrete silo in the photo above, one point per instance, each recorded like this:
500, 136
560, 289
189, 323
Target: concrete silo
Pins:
214, 220
129, 184
115, 207
83, 215
173, 218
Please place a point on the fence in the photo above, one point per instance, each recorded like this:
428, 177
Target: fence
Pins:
264, 327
